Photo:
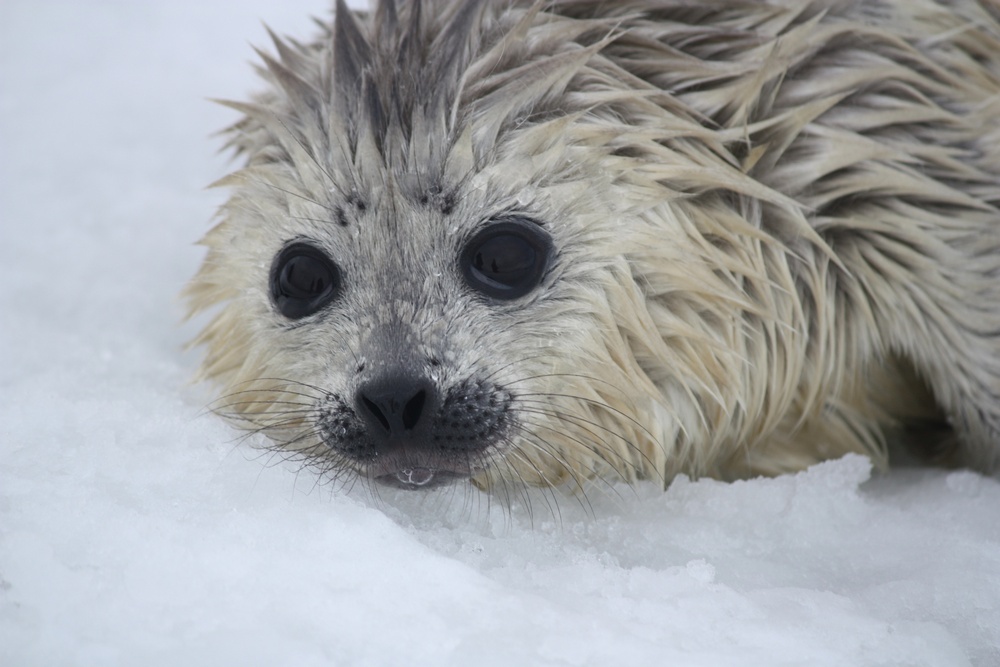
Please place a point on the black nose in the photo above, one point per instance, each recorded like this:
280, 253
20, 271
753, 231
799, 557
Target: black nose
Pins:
397, 407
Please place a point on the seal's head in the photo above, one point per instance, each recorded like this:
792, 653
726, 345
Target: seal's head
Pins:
537, 242
426, 262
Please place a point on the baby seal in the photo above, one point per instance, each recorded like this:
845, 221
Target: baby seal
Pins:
571, 240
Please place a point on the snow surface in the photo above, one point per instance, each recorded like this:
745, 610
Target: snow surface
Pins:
136, 530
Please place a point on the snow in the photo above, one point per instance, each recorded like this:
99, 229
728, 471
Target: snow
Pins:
136, 529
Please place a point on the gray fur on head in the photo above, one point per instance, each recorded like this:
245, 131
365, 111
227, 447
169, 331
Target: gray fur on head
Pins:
774, 230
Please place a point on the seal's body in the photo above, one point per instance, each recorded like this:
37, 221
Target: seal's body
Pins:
531, 243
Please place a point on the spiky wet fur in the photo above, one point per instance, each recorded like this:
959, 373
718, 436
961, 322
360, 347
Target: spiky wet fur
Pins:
777, 226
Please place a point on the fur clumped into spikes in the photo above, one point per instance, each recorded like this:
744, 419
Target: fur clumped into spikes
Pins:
777, 226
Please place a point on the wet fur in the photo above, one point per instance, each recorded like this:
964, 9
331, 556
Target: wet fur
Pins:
777, 229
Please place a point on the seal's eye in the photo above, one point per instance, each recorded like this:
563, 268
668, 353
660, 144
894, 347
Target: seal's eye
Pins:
303, 280
507, 259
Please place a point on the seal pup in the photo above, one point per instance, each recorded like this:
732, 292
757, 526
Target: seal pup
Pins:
571, 240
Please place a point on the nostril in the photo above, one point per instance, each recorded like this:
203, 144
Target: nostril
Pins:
413, 409
375, 412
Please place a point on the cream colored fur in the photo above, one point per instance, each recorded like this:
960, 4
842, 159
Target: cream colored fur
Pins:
777, 227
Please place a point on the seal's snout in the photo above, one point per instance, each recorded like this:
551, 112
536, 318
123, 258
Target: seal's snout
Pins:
397, 408
405, 430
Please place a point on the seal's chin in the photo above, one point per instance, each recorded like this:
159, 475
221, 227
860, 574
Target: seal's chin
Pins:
419, 478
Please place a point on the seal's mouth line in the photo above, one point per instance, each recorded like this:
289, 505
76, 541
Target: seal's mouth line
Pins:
419, 478
419, 470
415, 476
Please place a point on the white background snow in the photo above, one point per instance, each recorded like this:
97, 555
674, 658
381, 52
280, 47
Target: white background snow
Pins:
136, 530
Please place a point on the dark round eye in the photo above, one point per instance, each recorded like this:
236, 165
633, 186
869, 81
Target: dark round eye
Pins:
303, 280
507, 259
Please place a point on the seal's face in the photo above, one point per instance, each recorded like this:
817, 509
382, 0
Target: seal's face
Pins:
377, 306
411, 337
